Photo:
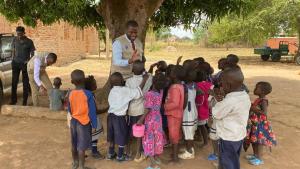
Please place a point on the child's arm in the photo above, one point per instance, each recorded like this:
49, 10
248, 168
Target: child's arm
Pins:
264, 107
145, 78
92, 110
152, 67
173, 100
178, 60
142, 119
221, 110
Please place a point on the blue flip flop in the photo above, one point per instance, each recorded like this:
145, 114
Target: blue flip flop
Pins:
256, 162
151, 168
212, 157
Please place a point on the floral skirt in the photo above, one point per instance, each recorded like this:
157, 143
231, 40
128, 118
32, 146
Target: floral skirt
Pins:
154, 138
259, 131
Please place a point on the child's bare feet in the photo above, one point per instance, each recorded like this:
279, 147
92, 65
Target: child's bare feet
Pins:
174, 162
139, 157
97, 155
75, 165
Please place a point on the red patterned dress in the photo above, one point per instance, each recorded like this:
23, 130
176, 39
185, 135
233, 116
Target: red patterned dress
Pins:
154, 138
259, 129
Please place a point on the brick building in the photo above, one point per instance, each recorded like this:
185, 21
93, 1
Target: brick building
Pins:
67, 41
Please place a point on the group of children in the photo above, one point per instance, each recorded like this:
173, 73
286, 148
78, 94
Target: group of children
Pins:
173, 100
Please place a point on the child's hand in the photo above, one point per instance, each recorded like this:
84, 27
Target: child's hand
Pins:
154, 64
140, 122
179, 60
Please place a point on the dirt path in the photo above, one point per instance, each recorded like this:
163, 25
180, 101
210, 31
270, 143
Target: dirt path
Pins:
27, 143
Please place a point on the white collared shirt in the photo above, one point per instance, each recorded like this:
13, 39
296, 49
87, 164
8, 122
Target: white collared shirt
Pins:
231, 115
117, 53
36, 71
119, 98
136, 106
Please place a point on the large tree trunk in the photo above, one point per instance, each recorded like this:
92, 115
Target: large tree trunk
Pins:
116, 13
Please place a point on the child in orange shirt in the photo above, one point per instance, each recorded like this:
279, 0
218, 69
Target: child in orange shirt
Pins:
82, 108
174, 107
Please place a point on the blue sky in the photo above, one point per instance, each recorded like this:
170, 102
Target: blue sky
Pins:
180, 32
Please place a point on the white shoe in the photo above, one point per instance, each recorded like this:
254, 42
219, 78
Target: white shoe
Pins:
187, 155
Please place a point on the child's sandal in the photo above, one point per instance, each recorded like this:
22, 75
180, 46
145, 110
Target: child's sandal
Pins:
256, 162
250, 157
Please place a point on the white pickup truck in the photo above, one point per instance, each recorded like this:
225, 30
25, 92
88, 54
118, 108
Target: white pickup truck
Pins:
5, 63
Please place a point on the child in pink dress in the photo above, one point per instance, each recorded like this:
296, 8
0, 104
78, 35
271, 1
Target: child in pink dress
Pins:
174, 107
202, 104
154, 138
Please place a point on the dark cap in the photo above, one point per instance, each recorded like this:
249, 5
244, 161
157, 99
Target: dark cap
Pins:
20, 29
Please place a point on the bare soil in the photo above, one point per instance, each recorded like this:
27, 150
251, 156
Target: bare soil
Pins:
28, 143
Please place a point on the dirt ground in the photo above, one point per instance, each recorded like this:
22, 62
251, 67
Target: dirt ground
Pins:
27, 143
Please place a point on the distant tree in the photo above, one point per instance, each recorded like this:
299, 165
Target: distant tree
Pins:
270, 18
162, 33
199, 34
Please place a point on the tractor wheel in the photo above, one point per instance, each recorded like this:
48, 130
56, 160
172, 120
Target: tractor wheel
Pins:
276, 56
1, 95
265, 57
297, 60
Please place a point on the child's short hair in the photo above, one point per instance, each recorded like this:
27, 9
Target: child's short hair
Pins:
191, 76
205, 67
57, 82
201, 76
200, 60
265, 86
90, 83
116, 79
138, 67
232, 59
159, 81
77, 77
162, 65
169, 69
188, 65
179, 72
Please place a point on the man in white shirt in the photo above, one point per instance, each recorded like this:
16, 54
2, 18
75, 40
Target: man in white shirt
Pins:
231, 115
38, 77
126, 49
117, 128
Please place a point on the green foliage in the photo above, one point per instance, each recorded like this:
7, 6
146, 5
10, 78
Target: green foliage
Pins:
270, 18
199, 34
162, 33
83, 12
191, 12
77, 12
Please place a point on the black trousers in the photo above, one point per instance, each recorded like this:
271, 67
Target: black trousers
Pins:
16, 69
230, 154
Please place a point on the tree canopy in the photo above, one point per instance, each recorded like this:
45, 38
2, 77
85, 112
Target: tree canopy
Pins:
84, 12
269, 18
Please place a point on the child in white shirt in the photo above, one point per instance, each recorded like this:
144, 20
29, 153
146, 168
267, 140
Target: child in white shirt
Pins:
136, 106
231, 116
118, 99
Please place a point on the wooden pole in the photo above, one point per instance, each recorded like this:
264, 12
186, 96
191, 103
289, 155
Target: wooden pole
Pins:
107, 43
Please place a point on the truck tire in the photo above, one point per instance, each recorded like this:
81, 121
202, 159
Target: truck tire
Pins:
276, 56
1, 95
297, 60
265, 57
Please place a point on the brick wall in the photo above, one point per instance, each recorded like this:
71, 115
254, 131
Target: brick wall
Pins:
67, 41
